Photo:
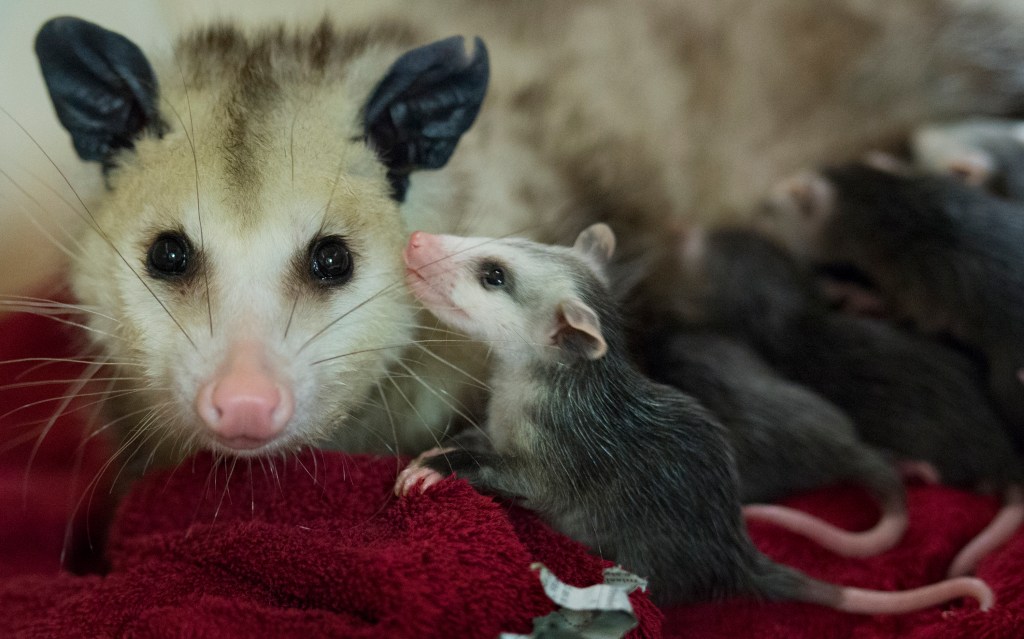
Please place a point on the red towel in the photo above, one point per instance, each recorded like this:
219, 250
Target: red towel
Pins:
317, 546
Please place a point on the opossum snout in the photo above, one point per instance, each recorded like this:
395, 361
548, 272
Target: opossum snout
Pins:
244, 405
422, 250
428, 272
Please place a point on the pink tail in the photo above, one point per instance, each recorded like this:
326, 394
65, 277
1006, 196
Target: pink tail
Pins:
999, 530
877, 602
883, 536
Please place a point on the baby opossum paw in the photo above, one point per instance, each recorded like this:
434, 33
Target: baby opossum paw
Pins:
417, 474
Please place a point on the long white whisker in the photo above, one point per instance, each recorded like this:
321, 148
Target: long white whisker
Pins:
99, 230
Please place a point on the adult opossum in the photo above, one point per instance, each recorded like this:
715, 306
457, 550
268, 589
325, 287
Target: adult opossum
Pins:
245, 259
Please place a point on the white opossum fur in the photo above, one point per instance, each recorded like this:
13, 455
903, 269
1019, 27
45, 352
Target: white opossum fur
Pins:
640, 115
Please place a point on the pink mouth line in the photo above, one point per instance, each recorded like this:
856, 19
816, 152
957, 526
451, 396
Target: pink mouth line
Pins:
430, 295
411, 271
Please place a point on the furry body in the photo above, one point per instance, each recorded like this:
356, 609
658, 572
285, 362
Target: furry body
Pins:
940, 253
640, 472
596, 111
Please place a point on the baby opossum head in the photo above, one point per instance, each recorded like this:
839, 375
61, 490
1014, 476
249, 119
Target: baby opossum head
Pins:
526, 300
247, 255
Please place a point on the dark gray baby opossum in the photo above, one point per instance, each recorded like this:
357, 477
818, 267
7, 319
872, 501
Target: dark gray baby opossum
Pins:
905, 393
947, 257
640, 472
785, 438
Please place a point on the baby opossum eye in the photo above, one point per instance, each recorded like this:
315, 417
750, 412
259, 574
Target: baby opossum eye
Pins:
330, 261
169, 256
493, 275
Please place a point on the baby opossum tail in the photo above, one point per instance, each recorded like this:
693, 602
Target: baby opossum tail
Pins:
783, 583
999, 530
881, 478
876, 540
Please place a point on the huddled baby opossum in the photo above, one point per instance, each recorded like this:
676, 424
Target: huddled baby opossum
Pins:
941, 254
640, 472
982, 152
785, 438
905, 394
244, 264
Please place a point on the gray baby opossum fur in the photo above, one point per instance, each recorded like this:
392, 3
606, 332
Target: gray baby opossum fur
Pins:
638, 471
905, 393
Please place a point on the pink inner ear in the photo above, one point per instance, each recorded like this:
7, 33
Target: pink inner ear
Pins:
810, 192
596, 241
577, 317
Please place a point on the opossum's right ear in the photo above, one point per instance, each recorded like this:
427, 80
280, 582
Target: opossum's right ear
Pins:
102, 87
427, 100
578, 330
596, 242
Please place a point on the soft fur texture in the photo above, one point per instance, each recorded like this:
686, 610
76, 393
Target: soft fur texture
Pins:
643, 115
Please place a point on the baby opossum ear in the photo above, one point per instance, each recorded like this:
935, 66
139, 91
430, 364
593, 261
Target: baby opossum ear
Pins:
808, 193
578, 330
428, 99
597, 242
102, 87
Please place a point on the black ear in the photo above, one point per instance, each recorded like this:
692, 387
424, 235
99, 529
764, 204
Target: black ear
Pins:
101, 85
421, 108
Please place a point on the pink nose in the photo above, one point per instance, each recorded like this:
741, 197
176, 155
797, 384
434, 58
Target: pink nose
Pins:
423, 248
244, 405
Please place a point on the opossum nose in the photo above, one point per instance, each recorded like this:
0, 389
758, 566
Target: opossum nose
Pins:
244, 406
420, 250
417, 239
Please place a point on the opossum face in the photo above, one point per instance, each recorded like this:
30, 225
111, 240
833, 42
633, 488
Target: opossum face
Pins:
248, 253
518, 296
258, 320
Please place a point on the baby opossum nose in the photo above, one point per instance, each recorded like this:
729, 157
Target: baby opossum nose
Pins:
422, 249
244, 406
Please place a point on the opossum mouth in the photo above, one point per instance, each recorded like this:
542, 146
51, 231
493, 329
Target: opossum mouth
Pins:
242, 444
429, 295
410, 271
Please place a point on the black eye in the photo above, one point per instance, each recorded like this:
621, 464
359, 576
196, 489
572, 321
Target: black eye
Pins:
493, 276
330, 261
169, 256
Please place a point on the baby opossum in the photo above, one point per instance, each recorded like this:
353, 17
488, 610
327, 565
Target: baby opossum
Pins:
941, 254
986, 153
904, 393
640, 472
785, 438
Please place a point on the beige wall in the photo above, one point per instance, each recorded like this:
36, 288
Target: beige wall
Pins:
27, 256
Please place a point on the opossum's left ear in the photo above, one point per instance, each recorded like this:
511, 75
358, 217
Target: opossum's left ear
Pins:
427, 100
101, 84
597, 242
578, 330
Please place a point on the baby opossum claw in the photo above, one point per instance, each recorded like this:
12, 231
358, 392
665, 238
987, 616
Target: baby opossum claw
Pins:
417, 474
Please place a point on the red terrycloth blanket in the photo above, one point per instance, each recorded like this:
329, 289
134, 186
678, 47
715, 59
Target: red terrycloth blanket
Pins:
316, 545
